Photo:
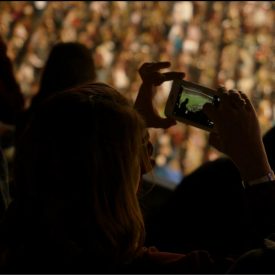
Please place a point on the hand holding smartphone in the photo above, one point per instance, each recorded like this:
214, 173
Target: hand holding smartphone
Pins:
185, 103
151, 78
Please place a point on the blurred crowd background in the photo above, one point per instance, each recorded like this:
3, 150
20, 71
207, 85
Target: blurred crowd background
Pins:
213, 42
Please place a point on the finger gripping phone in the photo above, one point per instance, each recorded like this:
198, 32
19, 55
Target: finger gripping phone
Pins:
185, 103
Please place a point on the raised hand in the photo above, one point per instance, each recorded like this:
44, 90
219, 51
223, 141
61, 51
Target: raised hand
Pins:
237, 133
151, 77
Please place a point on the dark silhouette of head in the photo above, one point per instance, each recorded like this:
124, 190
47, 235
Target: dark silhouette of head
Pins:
69, 65
209, 200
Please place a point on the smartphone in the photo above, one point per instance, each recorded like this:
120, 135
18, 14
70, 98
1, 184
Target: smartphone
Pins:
185, 103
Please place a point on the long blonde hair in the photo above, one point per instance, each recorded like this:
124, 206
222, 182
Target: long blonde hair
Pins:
82, 153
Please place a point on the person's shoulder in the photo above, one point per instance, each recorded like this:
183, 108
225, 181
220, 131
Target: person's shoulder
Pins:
154, 261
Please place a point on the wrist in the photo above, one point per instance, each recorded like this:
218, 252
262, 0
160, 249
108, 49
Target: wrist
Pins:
253, 164
255, 170
265, 178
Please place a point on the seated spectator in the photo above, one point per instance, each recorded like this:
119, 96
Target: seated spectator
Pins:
69, 65
211, 201
78, 170
11, 99
11, 104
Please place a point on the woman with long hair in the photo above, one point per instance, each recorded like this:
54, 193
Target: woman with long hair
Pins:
78, 169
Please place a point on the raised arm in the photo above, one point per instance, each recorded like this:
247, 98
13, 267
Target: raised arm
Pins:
237, 134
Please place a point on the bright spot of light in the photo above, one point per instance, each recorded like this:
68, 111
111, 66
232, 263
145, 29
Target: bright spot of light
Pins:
40, 5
